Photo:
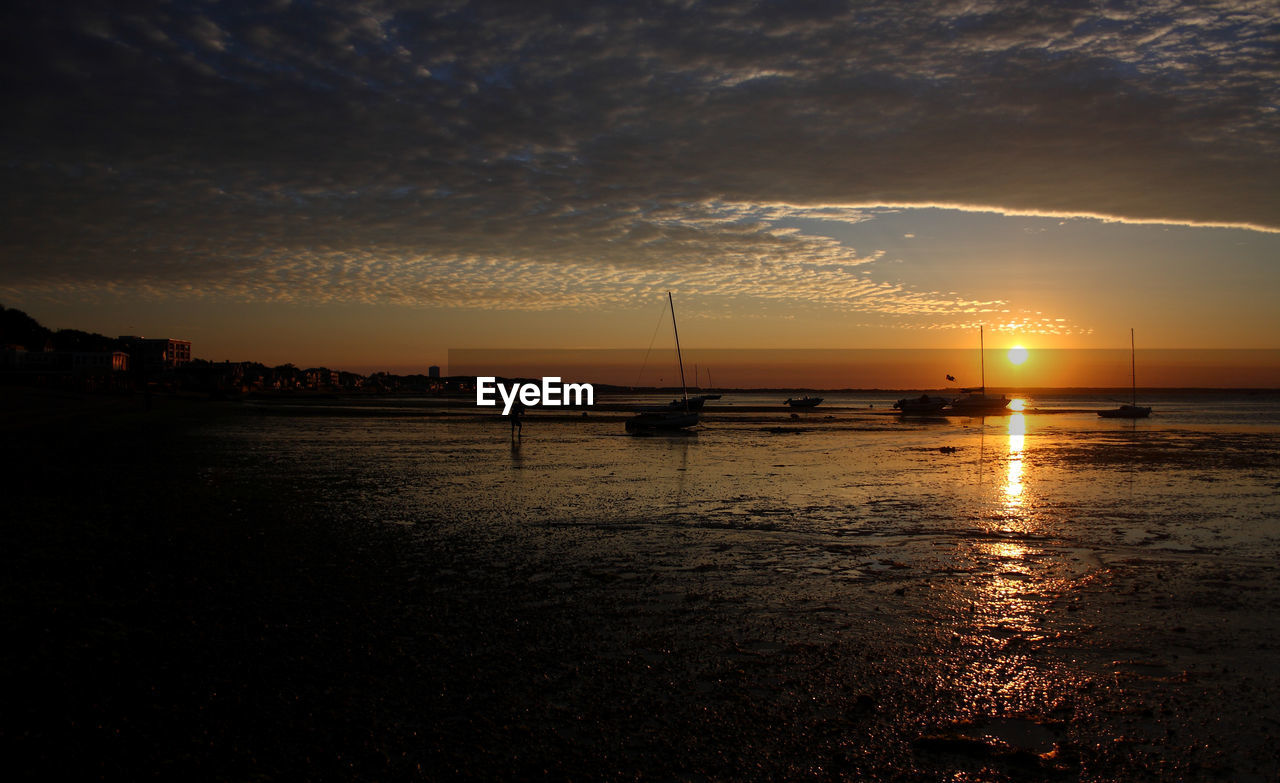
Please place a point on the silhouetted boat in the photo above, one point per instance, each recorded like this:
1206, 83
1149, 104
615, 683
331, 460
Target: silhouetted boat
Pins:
1126, 412
802, 402
975, 402
924, 405
694, 403
710, 385
649, 421
679, 414
1133, 410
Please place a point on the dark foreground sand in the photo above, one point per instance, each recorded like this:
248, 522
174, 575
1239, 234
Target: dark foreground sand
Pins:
169, 619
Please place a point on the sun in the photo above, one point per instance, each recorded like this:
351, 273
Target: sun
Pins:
1017, 354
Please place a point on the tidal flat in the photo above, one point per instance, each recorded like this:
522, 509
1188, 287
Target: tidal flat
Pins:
261, 590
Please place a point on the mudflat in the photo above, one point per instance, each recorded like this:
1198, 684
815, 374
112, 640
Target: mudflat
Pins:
201, 590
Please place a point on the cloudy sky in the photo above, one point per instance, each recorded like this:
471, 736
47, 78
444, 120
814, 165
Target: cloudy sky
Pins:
367, 184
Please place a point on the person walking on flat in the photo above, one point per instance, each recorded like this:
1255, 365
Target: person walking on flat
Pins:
517, 426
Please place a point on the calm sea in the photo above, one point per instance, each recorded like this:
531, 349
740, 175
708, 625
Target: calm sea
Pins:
848, 467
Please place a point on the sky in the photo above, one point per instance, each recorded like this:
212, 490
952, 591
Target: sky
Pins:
367, 185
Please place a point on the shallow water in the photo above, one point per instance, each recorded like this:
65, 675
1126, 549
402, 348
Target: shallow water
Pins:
1052, 584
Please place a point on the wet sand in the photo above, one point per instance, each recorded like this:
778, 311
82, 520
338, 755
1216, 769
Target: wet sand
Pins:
206, 592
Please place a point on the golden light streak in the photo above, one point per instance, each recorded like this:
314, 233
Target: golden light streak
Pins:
1013, 480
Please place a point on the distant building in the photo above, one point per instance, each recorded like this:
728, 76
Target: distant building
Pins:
83, 370
100, 361
156, 354
65, 361
433, 371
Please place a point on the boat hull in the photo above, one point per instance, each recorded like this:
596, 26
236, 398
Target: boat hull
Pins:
804, 402
920, 406
979, 405
1126, 412
661, 421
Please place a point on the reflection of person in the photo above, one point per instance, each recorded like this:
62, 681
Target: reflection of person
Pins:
517, 426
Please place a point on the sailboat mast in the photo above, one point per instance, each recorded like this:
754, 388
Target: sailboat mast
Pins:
982, 360
683, 390
1133, 368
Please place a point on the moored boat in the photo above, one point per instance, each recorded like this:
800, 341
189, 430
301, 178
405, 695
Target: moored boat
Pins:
680, 414
662, 420
923, 405
1126, 412
979, 404
802, 402
1133, 410
975, 402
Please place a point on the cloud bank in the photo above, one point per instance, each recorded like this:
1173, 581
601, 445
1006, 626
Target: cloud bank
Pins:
548, 155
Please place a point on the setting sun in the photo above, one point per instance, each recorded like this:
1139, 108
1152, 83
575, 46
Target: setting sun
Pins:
1017, 354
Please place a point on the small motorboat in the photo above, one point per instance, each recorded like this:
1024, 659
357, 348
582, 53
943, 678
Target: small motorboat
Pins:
924, 405
802, 402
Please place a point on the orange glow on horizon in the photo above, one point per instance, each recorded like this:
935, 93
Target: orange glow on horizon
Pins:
891, 369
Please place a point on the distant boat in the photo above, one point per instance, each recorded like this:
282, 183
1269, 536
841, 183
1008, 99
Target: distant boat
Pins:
661, 420
1133, 410
679, 414
975, 402
802, 402
923, 405
1126, 412
695, 402
710, 385
979, 404
688, 403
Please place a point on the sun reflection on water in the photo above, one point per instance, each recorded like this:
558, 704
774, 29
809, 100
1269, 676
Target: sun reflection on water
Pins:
1013, 481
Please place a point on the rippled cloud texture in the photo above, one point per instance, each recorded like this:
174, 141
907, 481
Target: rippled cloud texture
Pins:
531, 156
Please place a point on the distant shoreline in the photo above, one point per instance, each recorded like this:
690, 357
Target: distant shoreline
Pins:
602, 388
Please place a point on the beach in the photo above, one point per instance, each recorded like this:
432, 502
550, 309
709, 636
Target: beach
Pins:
398, 590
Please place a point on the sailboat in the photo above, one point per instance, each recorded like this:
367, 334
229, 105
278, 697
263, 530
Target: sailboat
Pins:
1133, 410
677, 415
709, 386
975, 402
